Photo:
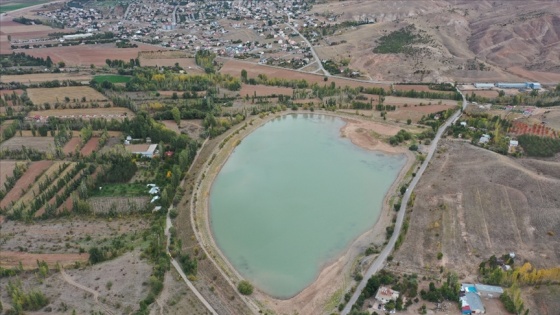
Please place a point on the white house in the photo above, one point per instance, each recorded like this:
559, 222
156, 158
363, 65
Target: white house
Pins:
384, 295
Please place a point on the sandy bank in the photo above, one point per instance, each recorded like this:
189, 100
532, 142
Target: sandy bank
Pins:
335, 275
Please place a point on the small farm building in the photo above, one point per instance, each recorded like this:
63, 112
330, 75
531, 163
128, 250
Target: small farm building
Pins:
490, 291
484, 85
147, 150
384, 295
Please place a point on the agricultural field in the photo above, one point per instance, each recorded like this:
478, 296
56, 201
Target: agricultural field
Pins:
521, 128
70, 146
16, 5
90, 146
473, 203
42, 77
113, 78
87, 55
27, 180
35, 190
70, 95
42, 144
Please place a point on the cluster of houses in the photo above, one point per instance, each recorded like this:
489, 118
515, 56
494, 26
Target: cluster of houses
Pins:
470, 297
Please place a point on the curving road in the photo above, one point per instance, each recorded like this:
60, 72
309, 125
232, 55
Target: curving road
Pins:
380, 260
310, 48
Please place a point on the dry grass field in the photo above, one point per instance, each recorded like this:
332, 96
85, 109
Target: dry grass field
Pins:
473, 203
263, 90
192, 127
169, 59
424, 88
108, 112
60, 240
401, 101
42, 77
415, 112
42, 144
118, 204
88, 54
234, 67
76, 94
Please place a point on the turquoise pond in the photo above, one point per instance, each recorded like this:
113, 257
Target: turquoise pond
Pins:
293, 196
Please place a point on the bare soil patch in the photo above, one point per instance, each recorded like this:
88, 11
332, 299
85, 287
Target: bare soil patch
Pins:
34, 170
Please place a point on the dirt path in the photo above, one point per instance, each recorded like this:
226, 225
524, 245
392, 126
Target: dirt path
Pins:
95, 294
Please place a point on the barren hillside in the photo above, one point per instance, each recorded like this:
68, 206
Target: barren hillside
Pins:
463, 40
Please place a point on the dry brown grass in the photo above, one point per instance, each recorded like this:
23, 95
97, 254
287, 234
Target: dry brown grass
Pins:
86, 113
42, 77
473, 203
6, 170
263, 90
42, 144
234, 67
88, 54
74, 93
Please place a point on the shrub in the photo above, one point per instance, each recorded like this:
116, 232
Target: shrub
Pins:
245, 287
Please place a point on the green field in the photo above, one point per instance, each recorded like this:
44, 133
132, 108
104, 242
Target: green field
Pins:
121, 190
17, 6
113, 78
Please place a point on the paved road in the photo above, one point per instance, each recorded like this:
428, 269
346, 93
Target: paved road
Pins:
380, 260
310, 48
